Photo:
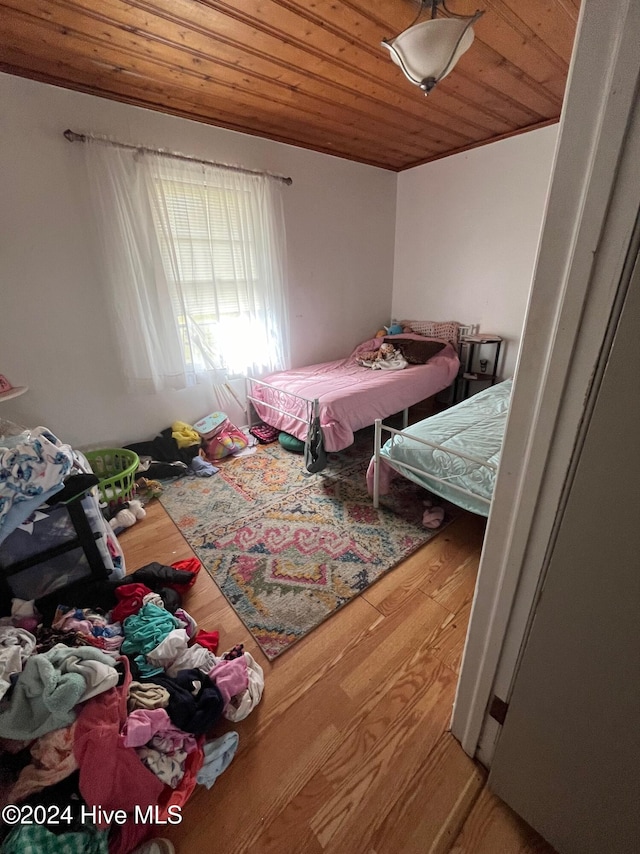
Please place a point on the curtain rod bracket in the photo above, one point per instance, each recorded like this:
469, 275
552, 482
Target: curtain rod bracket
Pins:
72, 136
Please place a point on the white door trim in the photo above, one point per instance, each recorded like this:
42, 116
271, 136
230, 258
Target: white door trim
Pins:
591, 210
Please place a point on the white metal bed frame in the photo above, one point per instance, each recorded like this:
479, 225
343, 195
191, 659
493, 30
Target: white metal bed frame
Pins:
313, 404
398, 466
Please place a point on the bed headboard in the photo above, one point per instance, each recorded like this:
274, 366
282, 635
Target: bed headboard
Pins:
449, 330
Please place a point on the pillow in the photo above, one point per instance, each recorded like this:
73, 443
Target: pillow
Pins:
447, 331
415, 351
291, 443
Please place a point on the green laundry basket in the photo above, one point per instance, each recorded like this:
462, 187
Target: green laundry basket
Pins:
115, 468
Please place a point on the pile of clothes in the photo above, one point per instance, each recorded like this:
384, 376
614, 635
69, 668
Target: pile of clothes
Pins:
107, 703
33, 466
189, 449
44, 484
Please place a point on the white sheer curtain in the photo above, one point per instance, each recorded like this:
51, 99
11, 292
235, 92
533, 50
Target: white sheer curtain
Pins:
194, 259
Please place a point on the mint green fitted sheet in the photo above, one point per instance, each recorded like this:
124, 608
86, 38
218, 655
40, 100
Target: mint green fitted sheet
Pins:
475, 427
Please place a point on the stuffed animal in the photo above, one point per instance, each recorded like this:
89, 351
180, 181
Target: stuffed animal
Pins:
394, 329
128, 516
149, 488
123, 519
383, 353
137, 509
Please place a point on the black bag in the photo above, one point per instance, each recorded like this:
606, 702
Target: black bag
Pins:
315, 456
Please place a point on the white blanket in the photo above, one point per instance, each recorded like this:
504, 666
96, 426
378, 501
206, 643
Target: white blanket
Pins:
392, 361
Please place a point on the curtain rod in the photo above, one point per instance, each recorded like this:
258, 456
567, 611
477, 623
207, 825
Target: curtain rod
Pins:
72, 136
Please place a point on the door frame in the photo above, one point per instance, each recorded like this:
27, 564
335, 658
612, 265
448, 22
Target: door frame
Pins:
592, 207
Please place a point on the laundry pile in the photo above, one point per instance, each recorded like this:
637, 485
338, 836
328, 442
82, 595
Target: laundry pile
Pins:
42, 482
106, 703
189, 449
33, 467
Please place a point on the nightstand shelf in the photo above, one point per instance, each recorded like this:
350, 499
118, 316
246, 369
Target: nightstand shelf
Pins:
479, 358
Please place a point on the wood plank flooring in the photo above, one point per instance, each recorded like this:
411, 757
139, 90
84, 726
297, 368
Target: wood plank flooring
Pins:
349, 751
493, 828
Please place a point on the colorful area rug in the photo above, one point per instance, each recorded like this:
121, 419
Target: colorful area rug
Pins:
288, 549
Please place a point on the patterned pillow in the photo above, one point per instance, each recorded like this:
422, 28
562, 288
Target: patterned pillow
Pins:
447, 331
416, 351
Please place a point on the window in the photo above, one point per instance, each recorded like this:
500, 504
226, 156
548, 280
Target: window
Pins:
194, 260
211, 251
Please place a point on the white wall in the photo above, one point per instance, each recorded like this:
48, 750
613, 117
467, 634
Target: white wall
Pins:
467, 230
54, 333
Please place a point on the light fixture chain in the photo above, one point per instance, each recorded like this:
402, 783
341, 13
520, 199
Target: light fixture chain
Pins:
443, 3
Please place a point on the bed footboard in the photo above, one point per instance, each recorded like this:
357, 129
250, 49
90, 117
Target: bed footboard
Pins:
402, 467
312, 404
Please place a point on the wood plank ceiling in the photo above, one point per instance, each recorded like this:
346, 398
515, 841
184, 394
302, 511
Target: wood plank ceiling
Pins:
310, 73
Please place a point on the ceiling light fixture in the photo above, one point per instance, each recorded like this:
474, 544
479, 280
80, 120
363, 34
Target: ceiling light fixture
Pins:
427, 51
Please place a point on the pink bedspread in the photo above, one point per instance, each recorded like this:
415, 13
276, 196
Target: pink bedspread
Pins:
351, 397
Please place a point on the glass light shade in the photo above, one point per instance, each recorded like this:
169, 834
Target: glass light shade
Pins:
426, 49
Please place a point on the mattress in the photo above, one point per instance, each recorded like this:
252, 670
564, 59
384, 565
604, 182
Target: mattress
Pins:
474, 427
351, 396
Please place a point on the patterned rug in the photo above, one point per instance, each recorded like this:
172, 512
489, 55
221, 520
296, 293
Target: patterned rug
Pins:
288, 549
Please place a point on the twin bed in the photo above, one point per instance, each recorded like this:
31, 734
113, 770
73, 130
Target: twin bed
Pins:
346, 396
453, 454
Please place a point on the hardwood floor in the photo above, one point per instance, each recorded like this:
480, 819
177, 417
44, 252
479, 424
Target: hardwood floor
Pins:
493, 828
349, 750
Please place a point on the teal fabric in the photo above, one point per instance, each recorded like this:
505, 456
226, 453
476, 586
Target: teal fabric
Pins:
475, 427
144, 631
291, 443
43, 697
36, 839
145, 668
